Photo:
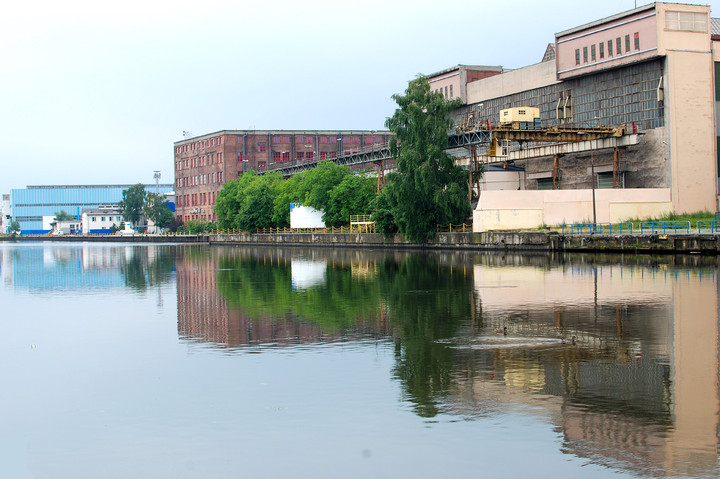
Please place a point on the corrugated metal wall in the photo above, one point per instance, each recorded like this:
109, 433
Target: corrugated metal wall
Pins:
29, 205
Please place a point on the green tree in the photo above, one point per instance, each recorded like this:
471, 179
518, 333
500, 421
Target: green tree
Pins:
289, 191
355, 195
248, 202
133, 202
428, 188
62, 215
156, 209
15, 227
318, 183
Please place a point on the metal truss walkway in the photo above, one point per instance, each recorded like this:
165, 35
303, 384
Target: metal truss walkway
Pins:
379, 153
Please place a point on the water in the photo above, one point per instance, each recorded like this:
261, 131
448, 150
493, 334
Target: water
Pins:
180, 361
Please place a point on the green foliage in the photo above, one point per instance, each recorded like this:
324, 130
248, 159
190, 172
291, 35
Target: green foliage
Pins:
253, 201
62, 215
248, 202
195, 227
288, 192
133, 202
14, 227
318, 183
355, 195
428, 188
156, 209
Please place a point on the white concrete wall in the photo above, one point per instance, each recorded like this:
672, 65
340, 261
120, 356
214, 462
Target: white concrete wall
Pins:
524, 209
305, 217
523, 79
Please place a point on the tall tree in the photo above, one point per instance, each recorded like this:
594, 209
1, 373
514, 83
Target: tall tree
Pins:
133, 202
156, 209
428, 188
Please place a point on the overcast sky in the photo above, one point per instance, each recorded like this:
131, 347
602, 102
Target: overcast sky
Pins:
96, 92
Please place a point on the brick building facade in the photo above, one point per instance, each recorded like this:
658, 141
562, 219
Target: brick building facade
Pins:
205, 163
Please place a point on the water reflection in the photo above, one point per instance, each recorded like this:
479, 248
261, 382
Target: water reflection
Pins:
620, 354
87, 267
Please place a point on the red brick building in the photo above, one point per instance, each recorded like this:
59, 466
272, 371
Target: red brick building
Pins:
204, 163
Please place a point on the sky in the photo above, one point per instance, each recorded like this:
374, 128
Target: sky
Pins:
97, 92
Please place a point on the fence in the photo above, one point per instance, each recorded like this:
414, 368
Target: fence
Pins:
709, 226
664, 227
597, 228
451, 228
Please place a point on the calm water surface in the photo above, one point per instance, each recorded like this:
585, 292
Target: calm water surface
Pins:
196, 362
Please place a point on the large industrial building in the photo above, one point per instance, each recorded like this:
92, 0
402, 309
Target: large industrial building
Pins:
204, 163
35, 206
653, 70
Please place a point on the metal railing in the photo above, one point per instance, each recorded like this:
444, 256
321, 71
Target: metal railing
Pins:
451, 228
597, 228
709, 226
664, 227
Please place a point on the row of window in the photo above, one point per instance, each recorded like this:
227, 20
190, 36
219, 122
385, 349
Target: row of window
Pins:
596, 52
324, 140
445, 92
210, 178
205, 160
199, 144
102, 218
197, 199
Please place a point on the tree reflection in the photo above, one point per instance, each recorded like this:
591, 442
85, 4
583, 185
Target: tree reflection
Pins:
143, 268
417, 298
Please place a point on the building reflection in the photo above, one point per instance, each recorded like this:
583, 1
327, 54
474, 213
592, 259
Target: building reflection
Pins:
206, 279
85, 267
620, 354
639, 387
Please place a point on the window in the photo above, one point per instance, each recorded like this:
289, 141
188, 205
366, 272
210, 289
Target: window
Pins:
577, 56
610, 53
446, 92
310, 155
601, 46
686, 21
276, 156
618, 45
304, 140
637, 40
328, 140
627, 43
544, 183
300, 157
261, 147
585, 54
593, 52
605, 180
94, 218
281, 140
285, 156
451, 91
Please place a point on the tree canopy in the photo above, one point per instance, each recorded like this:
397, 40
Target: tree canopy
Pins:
428, 188
253, 201
133, 202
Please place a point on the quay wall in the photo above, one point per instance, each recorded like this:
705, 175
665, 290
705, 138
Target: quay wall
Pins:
491, 240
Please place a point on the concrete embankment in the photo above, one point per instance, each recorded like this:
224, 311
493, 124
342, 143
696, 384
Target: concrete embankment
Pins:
504, 241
